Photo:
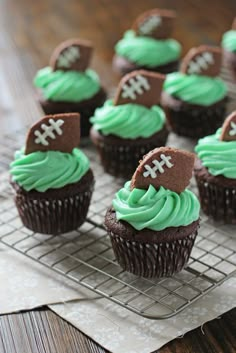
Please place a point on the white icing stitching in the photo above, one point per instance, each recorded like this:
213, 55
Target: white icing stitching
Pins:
68, 56
232, 132
49, 131
138, 85
202, 61
158, 166
150, 24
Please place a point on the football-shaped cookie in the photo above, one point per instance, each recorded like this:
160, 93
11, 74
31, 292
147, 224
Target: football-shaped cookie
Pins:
73, 54
234, 24
228, 132
60, 132
140, 87
165, 166
204, 60
156, 23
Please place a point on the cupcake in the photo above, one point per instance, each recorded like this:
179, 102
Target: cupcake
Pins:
131, 124
154, 219
148, 44
51, 176
229, 49
215, 172
195, 98
67, 85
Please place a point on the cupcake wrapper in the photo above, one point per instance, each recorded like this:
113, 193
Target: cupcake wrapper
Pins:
196, 122
121, 159
152, 259
218, 202
53, 216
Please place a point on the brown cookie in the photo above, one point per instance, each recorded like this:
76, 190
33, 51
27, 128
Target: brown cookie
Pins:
234, 24
60, 132
165, 166
156, 23
140, 87
228, 132
203, 60
73, 54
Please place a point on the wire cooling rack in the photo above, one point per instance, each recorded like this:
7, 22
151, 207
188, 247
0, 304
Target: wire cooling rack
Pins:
85, 255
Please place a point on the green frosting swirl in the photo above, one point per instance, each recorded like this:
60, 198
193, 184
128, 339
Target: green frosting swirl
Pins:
67, 86
155, 209
48, 170
218, 156
229, 41
147, 51
195, 89
128, 120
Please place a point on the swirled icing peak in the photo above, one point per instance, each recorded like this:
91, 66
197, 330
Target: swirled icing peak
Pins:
48, 170
67, 86
155, 209
195, 89
218, 156
147, 51
229, 41
128, 120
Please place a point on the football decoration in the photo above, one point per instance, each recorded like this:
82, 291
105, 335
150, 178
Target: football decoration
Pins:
165, 166
60, 132
140, 87
228, 132
234, 24
156, 23
203, 60
73, 54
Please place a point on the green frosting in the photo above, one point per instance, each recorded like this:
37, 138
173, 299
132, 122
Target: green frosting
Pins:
128, 120
48, 170
147, 51
67, 86
218, 156
229, 41
195, 89
155, 209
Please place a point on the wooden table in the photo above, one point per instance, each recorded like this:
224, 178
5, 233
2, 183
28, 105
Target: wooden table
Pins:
36, 27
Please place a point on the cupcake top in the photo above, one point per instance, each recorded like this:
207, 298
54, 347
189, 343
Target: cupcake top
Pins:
198, 82
217, 152
134, 112
68, 78
156, 198
51, 158
148, 43
229, 39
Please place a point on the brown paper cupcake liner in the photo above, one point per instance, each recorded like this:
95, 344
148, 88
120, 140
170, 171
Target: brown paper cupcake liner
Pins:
191, 120
217, 201
120, 157
161, 259
85, 108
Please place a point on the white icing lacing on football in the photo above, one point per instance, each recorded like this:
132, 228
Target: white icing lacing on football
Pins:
150, 24
158, 166
232, 132
68, 57
50, 130
137, 85
202, 62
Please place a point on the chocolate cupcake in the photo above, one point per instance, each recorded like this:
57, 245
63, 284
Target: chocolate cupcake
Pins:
51, 176
154, 219
148, 45
215, 172
195, 98
67, 85
131, 124
229, 49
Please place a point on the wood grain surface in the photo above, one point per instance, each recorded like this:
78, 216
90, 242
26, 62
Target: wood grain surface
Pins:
29, 30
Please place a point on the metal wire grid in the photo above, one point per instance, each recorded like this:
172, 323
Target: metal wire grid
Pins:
85, 255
